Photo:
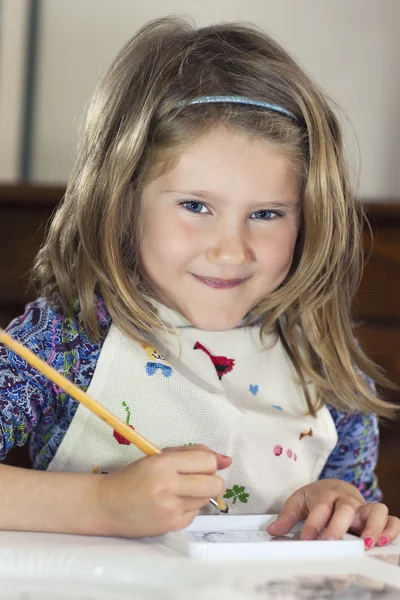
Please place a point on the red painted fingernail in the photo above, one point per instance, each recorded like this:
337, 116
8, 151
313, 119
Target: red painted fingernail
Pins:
225, 456
383, 541
368, 541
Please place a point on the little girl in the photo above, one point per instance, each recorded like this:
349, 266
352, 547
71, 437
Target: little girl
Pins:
197, 281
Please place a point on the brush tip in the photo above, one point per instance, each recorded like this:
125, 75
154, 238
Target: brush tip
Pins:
222, 507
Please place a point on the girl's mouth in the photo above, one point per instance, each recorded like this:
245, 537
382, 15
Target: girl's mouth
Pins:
220, 284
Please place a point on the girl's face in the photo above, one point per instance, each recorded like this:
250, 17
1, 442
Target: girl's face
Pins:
219, 229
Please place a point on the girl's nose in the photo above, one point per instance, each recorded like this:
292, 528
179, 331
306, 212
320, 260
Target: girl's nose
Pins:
231, 251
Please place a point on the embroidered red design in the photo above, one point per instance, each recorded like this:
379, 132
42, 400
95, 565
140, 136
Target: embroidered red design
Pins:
120, 438
278, 450
289, 453
222, 364
306, 434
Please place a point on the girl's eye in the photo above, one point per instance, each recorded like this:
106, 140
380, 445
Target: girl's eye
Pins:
195, 207
265, 215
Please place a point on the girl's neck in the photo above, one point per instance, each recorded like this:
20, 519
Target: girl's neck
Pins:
173, 318
169, 316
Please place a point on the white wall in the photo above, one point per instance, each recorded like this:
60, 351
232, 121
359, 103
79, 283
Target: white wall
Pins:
13, 33
351, 47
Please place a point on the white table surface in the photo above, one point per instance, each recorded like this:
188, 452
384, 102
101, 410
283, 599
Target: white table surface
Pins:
42, 566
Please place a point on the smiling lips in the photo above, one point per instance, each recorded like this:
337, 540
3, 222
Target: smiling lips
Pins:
220, 284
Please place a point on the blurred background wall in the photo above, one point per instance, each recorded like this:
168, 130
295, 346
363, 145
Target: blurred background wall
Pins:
350, 47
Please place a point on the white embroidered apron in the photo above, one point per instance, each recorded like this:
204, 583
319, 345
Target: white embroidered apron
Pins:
222, 389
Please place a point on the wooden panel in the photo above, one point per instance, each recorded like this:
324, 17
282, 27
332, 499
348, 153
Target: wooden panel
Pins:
378, 297
24, 210
24, 213
377, 308
23, 238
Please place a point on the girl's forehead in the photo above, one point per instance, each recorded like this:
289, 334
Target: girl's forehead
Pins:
225, 158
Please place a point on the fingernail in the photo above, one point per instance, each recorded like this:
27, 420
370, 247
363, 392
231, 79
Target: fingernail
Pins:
225, 456
368, 542
327, 538
307, 538
383, 541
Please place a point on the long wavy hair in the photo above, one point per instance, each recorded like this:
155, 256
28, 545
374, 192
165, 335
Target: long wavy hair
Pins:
136, 128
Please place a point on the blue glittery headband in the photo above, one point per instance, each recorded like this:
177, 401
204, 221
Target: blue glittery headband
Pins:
238, 100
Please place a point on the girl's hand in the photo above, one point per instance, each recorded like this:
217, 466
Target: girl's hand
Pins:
339, 506
160, 493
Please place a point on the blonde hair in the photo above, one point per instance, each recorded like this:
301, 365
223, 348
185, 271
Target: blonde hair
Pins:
136, 126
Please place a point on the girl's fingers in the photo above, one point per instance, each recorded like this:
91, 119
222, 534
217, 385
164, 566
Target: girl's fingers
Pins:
200, 486
316, 521
292, 512
193, 461
186, 519
375, 518
388, 533
222, 461
341, 521
193, 504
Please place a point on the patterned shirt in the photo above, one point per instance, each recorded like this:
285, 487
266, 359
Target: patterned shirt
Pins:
31, 404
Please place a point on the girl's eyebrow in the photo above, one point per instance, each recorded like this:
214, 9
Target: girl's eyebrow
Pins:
207, 195
199, 193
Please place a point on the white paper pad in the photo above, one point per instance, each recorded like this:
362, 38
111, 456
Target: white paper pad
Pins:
245, 537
